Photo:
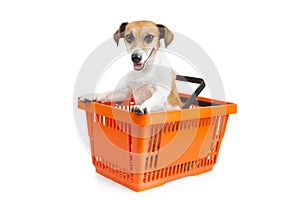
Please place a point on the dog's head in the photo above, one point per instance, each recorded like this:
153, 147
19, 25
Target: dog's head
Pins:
142, 39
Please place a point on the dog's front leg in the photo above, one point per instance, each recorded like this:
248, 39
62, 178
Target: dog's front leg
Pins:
119, 94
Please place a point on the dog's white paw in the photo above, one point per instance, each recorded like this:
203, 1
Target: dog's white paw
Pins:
93, 97
100, 99
88, 98
139, 110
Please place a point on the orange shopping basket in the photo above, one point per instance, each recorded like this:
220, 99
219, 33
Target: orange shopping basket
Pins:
145, 151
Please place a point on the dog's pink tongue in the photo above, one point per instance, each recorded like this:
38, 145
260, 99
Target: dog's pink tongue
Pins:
137, 66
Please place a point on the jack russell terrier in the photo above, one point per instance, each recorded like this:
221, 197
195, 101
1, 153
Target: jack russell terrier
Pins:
152, 82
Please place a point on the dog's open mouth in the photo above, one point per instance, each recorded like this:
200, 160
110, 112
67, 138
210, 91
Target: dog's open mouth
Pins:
138, 66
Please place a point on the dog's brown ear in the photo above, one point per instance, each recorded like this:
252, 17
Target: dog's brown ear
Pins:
165, 33
120, 32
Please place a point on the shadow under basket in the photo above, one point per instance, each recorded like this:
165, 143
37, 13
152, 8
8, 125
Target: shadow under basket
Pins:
145, 151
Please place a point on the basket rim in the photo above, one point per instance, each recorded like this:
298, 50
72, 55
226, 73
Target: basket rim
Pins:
220, 108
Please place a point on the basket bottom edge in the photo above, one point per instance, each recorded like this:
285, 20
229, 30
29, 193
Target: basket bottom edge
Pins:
146, 186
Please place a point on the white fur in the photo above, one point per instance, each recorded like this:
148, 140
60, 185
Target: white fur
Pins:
149, 87
151, 82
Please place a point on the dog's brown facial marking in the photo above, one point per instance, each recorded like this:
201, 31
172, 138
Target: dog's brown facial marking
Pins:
142, 39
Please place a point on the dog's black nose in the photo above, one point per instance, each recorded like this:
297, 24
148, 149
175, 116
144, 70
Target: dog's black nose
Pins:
136, 58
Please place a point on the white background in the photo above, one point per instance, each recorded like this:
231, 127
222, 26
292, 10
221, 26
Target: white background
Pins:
254, 44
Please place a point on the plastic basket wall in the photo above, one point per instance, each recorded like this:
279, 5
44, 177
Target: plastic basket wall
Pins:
145, 151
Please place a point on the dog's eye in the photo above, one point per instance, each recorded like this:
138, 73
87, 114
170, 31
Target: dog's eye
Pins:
129, 38
148, 38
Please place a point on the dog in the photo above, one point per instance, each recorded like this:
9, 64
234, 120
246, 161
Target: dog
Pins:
152, 81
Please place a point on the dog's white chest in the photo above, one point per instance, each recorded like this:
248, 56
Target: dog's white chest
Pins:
141, 94
144, 84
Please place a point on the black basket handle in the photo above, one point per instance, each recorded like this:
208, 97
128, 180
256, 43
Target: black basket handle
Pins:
201, 86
